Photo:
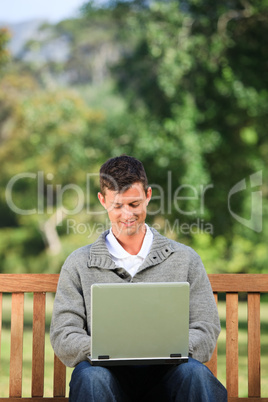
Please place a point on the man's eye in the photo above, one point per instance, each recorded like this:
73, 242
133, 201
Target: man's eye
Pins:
117, 206
134, 205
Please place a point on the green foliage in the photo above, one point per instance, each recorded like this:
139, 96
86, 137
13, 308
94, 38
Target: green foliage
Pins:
4, 38
181, 86
196, 88
46, 144
185, 73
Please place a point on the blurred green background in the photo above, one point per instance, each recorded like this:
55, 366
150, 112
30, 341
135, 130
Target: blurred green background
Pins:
180, 85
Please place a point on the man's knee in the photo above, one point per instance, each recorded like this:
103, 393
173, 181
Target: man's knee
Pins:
196, 379
192, 367
193, 372
94, 384
86, 374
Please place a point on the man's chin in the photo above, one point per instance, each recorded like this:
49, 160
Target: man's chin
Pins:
128, 230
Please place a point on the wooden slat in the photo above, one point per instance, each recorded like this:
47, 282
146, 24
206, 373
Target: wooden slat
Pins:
38, 399
251, 283
13, 283
212, 364
232, 343
38, 358
254, 345
16, 348
236, 399
62, 399
59, 385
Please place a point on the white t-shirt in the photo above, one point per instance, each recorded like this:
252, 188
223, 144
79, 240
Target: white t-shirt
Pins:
122, 258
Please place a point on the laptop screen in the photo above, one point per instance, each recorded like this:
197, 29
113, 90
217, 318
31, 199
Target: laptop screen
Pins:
139, 320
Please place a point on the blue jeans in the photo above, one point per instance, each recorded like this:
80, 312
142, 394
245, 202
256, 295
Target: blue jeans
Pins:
190, 381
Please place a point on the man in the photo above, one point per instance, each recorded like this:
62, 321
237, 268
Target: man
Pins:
132, 252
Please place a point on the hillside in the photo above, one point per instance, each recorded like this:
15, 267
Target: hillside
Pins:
75, 51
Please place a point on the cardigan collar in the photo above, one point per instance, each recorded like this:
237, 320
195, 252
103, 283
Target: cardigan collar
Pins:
100, 257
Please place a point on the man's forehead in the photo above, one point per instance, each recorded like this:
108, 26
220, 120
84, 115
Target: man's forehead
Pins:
134, 192
129, 199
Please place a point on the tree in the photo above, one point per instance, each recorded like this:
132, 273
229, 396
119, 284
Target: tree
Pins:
190, 102
47, 148
196, 86
194, 83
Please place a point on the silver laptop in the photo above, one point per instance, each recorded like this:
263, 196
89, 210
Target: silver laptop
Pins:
139, 323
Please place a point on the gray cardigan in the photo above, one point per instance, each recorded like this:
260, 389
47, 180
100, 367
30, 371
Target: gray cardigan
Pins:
167, 261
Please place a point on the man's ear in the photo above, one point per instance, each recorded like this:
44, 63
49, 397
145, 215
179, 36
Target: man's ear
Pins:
102, 200
149, 195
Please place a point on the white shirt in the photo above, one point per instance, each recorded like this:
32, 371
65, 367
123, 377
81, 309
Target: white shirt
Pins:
122, 258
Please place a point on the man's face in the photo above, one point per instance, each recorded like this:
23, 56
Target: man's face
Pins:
127, 210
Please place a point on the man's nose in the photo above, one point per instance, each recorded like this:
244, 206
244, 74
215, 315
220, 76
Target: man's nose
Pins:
127, 211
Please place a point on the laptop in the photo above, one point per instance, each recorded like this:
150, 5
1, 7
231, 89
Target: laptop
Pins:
139, 323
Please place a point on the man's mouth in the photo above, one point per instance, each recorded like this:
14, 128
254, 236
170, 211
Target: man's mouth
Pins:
128, 223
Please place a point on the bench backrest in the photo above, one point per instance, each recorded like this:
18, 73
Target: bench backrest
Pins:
232, 285
41, 284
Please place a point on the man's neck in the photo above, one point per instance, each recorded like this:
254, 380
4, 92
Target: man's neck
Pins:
132, 243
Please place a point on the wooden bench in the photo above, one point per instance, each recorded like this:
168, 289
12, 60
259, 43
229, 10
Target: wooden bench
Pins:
41, 284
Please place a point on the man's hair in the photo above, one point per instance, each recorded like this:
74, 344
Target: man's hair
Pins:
120, 173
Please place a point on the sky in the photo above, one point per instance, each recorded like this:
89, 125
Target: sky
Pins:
52, 10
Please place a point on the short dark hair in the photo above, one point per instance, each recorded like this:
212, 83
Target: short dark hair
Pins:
119, 173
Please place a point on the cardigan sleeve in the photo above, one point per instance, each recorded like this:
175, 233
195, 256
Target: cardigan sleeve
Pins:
69, 334
204, 326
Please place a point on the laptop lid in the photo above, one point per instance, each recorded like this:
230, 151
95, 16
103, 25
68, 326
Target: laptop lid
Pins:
139, 323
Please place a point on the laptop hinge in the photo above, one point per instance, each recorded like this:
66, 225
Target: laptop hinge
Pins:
103, 357
175, 355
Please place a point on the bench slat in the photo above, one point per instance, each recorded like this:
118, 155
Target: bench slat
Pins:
38, 358
212, 364
236, 399
38, 399
17, 283
250, 283
254, 346
59, 385
16, 347
62, 399
232, 343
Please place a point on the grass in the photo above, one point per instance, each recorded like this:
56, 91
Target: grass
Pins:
49, 355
